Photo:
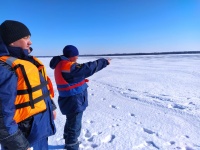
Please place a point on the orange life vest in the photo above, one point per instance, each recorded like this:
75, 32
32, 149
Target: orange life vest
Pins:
64, 88
62, 66
30, 99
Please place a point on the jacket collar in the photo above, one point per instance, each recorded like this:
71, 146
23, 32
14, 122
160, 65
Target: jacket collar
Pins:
3, 49
18, 52
12, 51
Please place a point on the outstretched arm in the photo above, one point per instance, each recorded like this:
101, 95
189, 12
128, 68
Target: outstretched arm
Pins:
82, 71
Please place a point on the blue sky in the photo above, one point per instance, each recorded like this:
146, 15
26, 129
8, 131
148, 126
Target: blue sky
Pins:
108, 26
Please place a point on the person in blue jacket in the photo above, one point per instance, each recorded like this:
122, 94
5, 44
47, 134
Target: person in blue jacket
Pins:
27, 111
70, 78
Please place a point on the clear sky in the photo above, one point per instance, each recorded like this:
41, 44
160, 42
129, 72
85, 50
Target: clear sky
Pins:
108, 26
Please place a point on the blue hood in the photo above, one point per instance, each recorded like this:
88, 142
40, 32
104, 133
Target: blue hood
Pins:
55, 60
3, 48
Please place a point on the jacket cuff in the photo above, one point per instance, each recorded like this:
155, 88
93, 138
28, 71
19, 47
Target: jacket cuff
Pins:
16, 141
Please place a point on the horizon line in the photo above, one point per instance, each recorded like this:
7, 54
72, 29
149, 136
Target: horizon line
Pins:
151, 53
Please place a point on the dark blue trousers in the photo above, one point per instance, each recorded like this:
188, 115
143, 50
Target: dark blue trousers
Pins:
72, 130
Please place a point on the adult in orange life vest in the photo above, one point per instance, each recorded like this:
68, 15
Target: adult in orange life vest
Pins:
70, 78
27, 110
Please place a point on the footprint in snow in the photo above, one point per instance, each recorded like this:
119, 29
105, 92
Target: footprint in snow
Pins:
91, 139
132, 115
89, 121
152, 144
131, 90
138, 123
148, 131
88, 134
187, 136
103, 99
172, 142
177, 106
87, 146
92, 94
113, 106
114, 125
134, 98
146, 144
191, 103
108, 139
94, 145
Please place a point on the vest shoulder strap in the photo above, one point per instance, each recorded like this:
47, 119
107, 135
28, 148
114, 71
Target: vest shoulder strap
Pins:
6, 64
66, 65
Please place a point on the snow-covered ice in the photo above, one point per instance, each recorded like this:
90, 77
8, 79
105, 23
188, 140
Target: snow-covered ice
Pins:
146, 102
140, 103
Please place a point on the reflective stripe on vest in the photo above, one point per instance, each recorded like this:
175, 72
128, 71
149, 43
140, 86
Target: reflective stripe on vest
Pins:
30, 99
64, 88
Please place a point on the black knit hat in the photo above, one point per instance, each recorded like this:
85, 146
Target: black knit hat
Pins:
12, 31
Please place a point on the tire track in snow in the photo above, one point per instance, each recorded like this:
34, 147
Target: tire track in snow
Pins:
132, 95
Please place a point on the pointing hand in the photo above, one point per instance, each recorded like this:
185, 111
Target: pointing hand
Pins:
109, 60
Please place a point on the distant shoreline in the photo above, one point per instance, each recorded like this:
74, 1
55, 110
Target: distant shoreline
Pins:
128, 54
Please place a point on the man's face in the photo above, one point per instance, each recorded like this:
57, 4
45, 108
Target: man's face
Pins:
73, 59
24, 43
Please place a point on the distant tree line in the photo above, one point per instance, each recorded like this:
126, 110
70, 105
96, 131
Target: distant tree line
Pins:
128, 54
153, 53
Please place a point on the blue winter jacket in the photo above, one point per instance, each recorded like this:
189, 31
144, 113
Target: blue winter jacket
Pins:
24, 134
78, 72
